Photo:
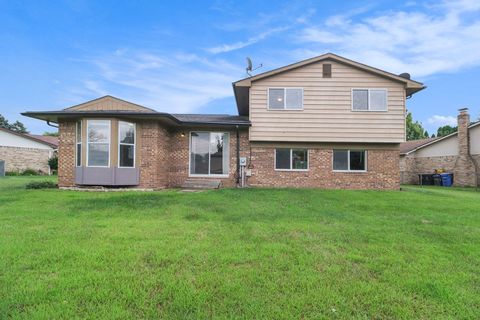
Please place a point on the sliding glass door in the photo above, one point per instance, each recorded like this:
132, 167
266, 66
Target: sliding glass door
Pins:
209, 153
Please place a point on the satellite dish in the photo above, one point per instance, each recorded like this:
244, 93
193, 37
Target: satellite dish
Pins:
250, 68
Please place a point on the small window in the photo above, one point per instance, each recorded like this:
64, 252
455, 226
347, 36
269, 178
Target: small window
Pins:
285, 98
291, 159
98, 143
349, 160
126, 144
78, 150
369, 100
327, 70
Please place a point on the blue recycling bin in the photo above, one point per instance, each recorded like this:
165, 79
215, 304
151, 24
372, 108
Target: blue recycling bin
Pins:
447, 179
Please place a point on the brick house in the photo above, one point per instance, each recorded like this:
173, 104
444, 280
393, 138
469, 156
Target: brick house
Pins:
457, 153
325, 122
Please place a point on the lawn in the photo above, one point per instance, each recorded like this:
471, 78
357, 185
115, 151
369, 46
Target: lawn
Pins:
253, 253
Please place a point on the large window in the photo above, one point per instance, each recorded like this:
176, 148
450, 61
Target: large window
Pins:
285, 98
291, 159
126, 144
349, 160
209, 153
369, 100
98, 143
78, 149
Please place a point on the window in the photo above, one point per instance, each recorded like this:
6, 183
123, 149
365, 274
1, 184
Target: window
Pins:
349, 160
291, 159
98, 143
369, 100
209, 153
78, 149
126, 144
285, 98
327, 70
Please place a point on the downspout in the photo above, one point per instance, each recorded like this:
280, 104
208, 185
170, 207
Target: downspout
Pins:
238, 155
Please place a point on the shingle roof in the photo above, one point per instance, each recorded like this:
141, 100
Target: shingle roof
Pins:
213, 118
47, 139
408, 146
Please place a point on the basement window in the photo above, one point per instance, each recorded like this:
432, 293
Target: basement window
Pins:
287, 159
285, 98
369, 99
350, 160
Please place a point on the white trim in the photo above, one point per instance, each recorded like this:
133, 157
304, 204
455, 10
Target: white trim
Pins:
348, 161
284, 99
109, 142
368, 100
78, 143
134, 144
291, 160
209, 175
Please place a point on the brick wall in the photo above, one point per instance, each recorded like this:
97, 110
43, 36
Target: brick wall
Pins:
19, 159
382, 171
66, 154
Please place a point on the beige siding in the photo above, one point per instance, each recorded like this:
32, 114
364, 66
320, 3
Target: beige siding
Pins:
474, 140
109, 104
327, 115
445, 147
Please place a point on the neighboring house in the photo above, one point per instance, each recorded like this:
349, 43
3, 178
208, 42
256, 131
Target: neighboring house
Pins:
457, 153
26, 151
324, 122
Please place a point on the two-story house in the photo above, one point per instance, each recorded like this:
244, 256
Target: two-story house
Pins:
325, 122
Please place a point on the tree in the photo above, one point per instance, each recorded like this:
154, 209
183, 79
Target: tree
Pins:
446, 130
415, 129
17, 126
50, 134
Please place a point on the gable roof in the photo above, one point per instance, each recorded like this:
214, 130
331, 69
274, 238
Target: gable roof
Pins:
408, 146
53, 143
109, 102
241, 87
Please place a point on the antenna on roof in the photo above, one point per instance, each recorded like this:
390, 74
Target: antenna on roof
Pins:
250, 68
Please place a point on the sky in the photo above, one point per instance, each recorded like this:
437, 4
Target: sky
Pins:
182, 56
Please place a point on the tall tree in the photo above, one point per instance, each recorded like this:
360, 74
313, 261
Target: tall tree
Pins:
446, 130
17, 126
415, 129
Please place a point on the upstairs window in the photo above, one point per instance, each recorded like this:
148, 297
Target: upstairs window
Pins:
78, 150
291, 159
126, 144
369, 100
98, 143
349, 160
285, 98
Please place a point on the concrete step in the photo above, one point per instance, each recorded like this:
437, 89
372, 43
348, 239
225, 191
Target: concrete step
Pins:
201, 184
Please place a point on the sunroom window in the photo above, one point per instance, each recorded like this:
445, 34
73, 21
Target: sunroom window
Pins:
126, 144
209, 153
78, 149
98, 143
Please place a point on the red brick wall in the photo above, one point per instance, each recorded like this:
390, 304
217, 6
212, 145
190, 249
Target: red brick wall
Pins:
66, 154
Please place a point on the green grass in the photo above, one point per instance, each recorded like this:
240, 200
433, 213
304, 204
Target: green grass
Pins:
255, 253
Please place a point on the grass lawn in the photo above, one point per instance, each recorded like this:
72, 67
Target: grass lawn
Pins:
254, 253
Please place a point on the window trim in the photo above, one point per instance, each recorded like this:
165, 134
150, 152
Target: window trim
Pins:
284, 99
77, 163
291, 160
134, 144
109, 142
348, 161
209, 175
368, 90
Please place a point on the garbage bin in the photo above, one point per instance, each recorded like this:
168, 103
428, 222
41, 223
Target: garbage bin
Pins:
447, 179
437, 180
426, 179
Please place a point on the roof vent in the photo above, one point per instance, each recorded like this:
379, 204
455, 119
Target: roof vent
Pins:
405, 75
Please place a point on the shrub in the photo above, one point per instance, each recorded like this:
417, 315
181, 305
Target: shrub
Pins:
53, 163
30, 172
13, 173
41, 185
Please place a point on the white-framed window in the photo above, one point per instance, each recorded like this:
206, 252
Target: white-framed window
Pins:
369, 99
98, 143
285, 98
126, 144
291, 159
350, 160
209, 153
78, 145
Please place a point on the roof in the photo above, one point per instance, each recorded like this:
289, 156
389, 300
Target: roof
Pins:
241, 87
53, 143
408, 146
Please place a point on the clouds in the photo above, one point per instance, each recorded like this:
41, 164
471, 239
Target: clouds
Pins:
424, 43
442, 120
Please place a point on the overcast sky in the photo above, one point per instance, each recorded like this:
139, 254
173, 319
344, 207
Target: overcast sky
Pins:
181, 56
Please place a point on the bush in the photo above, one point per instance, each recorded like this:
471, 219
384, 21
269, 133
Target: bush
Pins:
41, 185
53, 163
30, 172
13, 173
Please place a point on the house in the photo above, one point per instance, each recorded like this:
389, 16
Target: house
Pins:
325, 122
457, 153
22, 151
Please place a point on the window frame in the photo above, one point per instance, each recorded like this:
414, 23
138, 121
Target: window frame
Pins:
368, 102
348, 160
77, 124
291, 160
109, 143
134, 144
209, 175
284, 99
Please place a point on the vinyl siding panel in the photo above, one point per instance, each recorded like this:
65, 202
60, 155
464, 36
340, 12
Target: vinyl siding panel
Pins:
327, 114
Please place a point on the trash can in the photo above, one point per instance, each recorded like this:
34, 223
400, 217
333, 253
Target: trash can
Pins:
426, 179
447, 179
437, 180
